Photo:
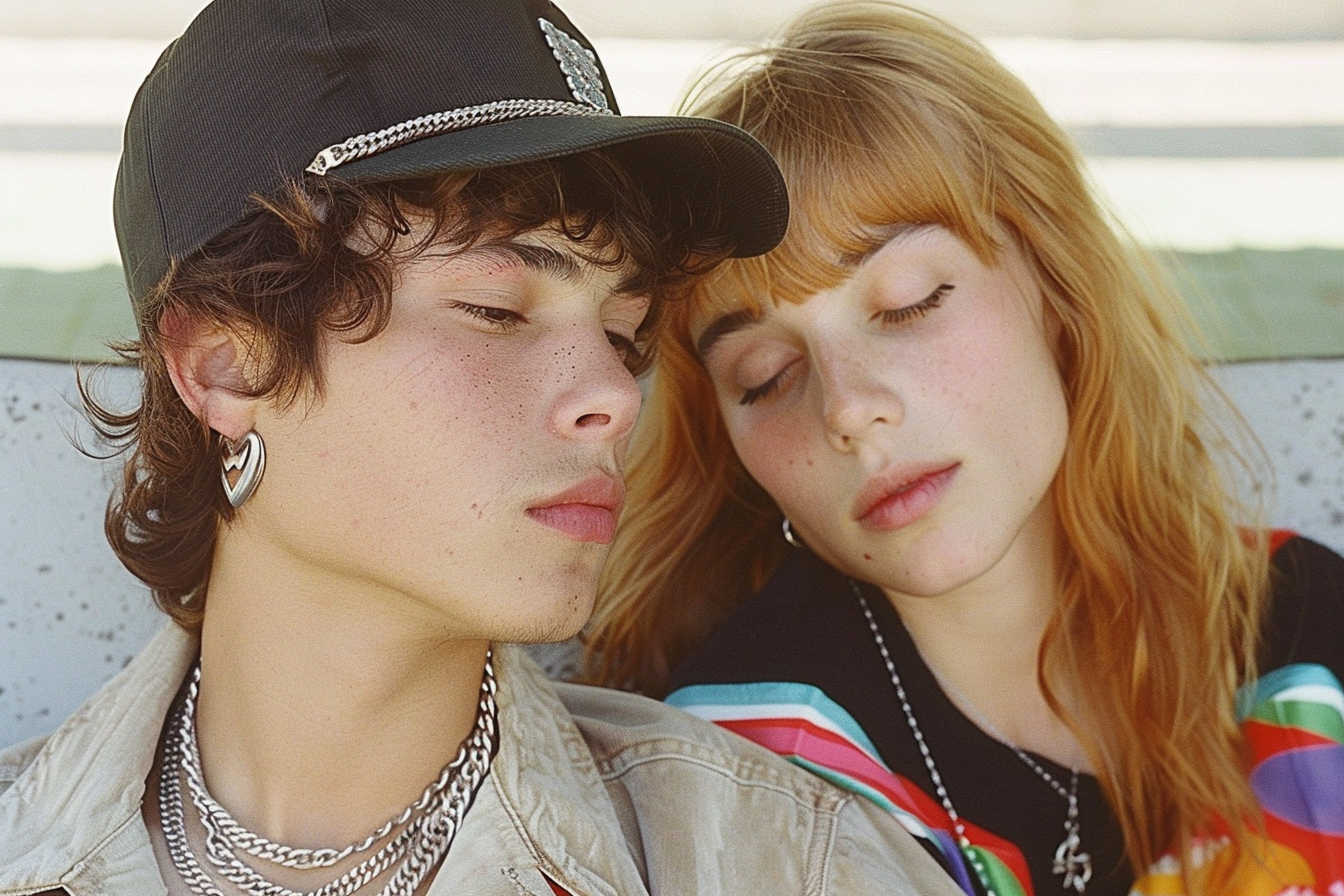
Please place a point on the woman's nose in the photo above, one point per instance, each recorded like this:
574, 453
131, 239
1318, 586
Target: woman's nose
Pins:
855, 400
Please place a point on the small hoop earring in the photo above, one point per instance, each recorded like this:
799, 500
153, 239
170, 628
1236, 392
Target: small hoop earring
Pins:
248, 457
792, 539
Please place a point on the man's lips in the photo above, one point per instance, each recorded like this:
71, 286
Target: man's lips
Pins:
902, 494
586, 512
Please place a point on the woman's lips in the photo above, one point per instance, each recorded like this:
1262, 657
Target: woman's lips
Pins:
896, 499
586, 512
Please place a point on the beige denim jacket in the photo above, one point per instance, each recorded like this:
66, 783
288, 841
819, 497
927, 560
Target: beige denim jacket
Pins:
602, 792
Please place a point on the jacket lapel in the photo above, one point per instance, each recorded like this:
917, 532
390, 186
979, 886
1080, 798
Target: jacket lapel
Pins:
72, 818
553, 810
542, 824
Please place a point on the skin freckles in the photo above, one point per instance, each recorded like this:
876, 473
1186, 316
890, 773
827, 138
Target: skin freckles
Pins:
495, 387
925, 361
397, 531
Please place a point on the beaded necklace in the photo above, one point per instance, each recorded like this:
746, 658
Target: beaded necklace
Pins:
1070, 861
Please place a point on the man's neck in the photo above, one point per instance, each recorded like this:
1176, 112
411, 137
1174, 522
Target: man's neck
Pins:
326, 707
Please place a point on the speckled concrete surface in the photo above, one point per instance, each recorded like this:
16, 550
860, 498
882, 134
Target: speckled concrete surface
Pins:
71, 617
1297, 410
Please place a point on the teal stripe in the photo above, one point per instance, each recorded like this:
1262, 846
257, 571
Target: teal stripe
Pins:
1276, 682
789, 693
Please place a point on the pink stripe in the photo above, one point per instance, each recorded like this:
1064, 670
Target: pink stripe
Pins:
797, 737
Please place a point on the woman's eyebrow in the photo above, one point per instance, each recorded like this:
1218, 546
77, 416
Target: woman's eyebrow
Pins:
722, 326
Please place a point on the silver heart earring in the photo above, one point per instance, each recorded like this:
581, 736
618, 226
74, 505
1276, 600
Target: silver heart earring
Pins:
248, 457
788, 534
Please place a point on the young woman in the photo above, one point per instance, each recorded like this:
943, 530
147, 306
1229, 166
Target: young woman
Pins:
953, 439
392, 297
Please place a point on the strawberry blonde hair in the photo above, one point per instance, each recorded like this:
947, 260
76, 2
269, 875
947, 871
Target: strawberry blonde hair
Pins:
879, 115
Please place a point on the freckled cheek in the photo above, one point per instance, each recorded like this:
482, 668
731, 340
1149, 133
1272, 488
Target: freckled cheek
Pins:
461, 400
970, 376
779, 456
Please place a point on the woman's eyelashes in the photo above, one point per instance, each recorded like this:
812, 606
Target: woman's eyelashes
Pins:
903, 315
767, 388
907, 313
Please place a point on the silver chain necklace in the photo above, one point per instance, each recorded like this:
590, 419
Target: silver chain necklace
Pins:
415, 840
1070, 861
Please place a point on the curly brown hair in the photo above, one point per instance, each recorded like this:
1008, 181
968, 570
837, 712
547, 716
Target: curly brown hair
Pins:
320, 257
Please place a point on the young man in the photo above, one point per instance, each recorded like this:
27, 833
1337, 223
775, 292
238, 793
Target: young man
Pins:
394, 264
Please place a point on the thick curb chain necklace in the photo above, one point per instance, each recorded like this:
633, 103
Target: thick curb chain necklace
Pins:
416, 839
1070, 861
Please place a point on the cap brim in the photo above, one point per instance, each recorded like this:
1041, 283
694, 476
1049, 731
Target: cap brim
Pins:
716, 167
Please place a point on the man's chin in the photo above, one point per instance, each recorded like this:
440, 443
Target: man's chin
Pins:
567, 620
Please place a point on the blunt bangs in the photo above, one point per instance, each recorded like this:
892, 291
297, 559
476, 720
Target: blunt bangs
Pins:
863, 146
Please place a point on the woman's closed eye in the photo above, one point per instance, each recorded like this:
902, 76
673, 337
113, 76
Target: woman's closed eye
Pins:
896, 316
908, 313
769, 387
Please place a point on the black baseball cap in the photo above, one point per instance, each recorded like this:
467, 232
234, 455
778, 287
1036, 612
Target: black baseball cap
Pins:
256, 93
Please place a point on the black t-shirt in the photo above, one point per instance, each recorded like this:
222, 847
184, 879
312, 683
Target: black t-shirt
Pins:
806, 633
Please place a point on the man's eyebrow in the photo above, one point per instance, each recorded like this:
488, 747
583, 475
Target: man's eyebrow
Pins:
879, 238
541, 259
722, 326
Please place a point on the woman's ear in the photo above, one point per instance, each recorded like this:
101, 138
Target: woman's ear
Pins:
206, 364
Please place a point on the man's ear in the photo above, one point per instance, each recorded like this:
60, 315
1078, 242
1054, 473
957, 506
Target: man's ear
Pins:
206, 364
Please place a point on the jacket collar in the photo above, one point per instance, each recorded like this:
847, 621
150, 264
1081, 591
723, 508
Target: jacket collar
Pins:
75, 812
547, 780
80, 796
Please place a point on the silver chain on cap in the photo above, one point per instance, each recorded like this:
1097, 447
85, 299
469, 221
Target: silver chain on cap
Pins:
577, 63
441, 123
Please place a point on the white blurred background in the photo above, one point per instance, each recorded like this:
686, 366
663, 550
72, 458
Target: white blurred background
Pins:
1213, 128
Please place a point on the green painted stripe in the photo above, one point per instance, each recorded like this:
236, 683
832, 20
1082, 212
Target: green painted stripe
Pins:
1256, 304
63, 315
1253, 304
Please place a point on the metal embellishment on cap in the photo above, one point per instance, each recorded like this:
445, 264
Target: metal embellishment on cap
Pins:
579, 65
441, 122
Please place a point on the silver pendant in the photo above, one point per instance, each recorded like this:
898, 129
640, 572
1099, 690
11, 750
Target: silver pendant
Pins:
1070, 861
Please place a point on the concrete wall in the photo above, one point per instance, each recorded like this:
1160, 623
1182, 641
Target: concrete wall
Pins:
752, 19
71, 616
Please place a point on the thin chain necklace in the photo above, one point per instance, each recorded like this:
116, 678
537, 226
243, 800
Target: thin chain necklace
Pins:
427, 826
1070, 861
